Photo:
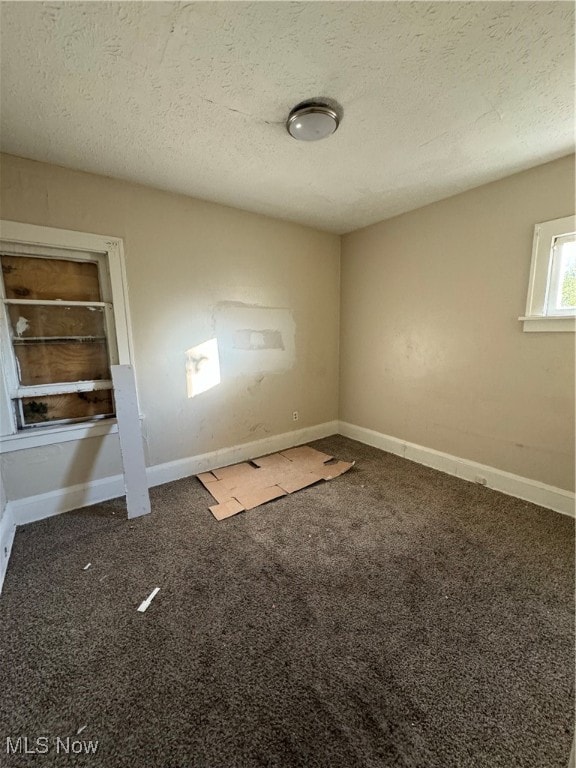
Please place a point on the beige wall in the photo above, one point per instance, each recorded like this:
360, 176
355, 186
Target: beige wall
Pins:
184, 257
431, 348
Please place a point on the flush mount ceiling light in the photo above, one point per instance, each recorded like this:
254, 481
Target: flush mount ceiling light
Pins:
312, 121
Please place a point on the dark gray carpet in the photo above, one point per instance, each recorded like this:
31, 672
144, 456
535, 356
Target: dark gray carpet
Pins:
395, 616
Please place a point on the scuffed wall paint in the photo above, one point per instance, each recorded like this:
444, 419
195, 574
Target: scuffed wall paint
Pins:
38, 470
430, 335
185, 259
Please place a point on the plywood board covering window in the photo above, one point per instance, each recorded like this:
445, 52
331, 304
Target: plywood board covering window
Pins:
29, 277
60, 334
72, 405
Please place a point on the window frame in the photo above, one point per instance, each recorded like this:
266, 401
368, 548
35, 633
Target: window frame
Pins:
536, 317
112, 251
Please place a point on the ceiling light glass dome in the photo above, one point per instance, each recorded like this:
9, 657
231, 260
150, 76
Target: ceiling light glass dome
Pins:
311, 122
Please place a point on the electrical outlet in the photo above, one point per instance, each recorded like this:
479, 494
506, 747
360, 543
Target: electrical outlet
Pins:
294, 415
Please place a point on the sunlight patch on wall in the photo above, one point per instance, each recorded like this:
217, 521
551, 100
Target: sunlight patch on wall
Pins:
202, 367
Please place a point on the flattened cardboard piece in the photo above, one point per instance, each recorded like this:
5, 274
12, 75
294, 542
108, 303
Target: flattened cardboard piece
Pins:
220, 491
262, 478
255, 497
329, 471
235, 471
246, 485
206, 477
273, 461
299, 480
228, 509
307, 454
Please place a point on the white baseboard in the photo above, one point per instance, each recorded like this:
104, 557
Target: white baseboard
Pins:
174, 470
33, 508
7, 531
544, 495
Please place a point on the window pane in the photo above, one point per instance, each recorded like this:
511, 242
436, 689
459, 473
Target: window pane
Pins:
76, 405
34, 320
50, 362
567, 292
27, 277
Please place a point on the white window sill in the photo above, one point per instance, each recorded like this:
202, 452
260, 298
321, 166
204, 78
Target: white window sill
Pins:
35, 438
545, 323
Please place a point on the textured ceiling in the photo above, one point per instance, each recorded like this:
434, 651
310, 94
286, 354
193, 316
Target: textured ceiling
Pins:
192, 97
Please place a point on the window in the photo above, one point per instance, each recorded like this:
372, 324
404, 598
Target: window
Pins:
551, 304
63, 324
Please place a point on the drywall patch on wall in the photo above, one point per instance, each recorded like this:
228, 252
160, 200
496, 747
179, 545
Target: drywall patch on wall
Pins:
254, 339
248, 338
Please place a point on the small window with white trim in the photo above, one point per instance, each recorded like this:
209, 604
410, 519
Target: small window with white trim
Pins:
63, 324
551, 303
